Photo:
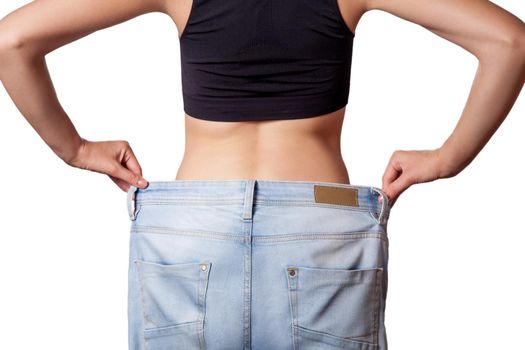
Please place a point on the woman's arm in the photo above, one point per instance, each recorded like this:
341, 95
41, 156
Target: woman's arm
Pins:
39, 27
497, 39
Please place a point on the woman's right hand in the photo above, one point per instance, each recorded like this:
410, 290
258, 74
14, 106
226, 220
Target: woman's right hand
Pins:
113, 158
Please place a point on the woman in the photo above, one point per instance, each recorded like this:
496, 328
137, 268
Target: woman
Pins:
271, 248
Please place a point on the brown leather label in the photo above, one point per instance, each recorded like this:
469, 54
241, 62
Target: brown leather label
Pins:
336, 195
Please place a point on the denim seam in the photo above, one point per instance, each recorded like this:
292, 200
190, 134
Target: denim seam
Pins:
166, 330
354, 337
319, 236
185, 201
202, 291
140, 280
335, 337
361, 207
281, 237
296, 307
377, 286
154, 230
247, 295
292, 297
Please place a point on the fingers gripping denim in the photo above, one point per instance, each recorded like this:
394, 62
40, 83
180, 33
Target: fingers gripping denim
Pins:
257, 264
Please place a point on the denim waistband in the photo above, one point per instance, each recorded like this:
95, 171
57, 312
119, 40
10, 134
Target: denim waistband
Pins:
254, 191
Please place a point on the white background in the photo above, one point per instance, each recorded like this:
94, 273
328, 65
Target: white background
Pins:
456, 245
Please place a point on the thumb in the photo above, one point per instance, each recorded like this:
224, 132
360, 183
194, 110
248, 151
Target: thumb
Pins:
129, 177
397, 187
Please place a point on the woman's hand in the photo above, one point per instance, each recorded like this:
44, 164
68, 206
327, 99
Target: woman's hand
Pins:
406, 168
113, 158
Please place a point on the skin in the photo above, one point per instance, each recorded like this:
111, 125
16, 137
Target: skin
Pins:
301, 149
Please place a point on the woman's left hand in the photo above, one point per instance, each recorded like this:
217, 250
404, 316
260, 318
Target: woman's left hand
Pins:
406, 168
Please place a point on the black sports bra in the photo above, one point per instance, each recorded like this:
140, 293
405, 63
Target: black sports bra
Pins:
248, 60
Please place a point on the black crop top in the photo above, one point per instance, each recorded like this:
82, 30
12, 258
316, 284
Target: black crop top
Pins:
247, 60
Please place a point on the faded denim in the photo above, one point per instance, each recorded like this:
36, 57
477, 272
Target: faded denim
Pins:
257, 264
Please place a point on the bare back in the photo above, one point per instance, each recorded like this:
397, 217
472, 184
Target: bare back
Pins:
300, 149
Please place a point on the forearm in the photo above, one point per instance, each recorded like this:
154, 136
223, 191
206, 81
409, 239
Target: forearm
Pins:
28, 83
498, 81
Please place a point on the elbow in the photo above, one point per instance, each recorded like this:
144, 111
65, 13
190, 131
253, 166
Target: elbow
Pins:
10, 46
515, 42
12, 38
508, 47
10, 42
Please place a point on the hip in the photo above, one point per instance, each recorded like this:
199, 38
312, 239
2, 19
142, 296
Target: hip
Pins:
288, 264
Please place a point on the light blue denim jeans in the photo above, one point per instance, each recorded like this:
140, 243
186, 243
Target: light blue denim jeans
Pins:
257, 264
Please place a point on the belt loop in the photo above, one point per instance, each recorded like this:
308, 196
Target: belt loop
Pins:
248, 200
131, 202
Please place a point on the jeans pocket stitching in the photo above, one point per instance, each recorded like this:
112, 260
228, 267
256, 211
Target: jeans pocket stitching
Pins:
142, 292
373, 285
377, 298
330, 338
170, 271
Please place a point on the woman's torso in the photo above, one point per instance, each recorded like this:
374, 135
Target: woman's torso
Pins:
306, 149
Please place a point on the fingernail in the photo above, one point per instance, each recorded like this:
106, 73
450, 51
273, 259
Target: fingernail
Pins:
141, 182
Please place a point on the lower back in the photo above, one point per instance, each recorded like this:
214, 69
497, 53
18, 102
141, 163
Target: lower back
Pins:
298, 149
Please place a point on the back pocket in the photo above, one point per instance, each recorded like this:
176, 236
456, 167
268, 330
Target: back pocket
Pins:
173, 303
334, 308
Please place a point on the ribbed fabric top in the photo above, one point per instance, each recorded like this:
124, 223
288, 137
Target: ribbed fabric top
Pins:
246, 60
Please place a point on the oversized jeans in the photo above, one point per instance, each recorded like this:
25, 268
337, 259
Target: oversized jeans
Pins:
257, 264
